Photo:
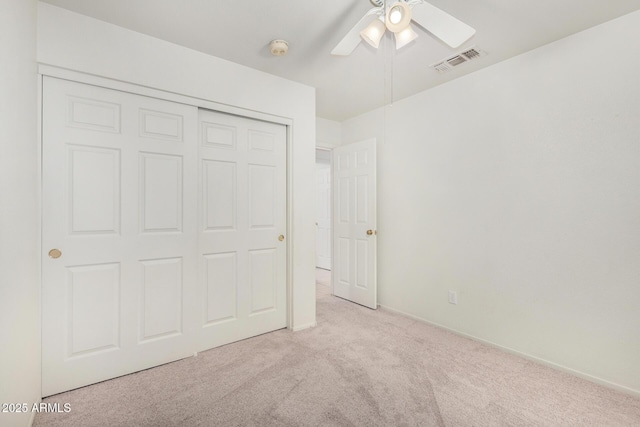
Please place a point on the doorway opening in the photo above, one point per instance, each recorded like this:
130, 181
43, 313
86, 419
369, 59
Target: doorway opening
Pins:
324, 235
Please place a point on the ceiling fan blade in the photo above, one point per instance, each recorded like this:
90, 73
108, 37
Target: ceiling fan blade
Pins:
442, 25
353, 39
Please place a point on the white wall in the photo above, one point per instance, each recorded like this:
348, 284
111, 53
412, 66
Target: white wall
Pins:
328, 133
19, 282
323, 157
518, 186
80, 43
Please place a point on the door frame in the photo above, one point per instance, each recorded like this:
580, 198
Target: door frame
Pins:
107, 83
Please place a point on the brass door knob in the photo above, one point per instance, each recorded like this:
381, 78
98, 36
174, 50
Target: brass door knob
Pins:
55, 253
281, 237
369, 232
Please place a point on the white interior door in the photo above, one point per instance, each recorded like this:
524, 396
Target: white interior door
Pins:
323, 216
242, 250
119, 226
354, 225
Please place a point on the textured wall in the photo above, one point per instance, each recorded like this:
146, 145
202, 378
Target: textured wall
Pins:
518, 186
19, 233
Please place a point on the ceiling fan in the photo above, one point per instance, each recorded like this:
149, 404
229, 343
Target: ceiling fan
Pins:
396, 16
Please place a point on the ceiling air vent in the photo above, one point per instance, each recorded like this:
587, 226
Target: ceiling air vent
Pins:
471, 53
457, 59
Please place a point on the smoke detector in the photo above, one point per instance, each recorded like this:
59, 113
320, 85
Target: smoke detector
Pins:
278, 47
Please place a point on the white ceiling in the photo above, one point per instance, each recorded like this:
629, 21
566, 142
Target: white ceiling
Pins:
240, 31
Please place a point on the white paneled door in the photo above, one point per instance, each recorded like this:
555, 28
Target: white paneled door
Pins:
323, 216
119, 222
354, 225
242, 251
126, 215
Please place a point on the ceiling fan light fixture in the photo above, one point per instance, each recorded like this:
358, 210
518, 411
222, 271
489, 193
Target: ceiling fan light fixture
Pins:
373, 33
405, 37
398, 17
395, 16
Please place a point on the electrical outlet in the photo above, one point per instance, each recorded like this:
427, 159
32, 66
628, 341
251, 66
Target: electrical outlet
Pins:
453, 297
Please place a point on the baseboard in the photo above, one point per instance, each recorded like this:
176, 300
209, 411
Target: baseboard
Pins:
548, 363
305, 326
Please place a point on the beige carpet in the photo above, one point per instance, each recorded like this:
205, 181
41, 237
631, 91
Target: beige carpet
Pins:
358, 367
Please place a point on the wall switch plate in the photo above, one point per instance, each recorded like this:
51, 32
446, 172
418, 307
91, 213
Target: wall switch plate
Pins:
453, 297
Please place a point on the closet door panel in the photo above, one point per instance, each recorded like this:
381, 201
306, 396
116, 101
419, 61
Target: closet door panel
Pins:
243, 200
120, 210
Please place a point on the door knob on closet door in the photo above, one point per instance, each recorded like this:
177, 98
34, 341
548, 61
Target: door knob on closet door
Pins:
55, 253
369, 232
281, 237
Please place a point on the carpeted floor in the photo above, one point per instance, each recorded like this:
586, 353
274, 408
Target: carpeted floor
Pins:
358, 367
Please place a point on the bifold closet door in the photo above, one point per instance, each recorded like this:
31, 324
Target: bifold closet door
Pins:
119, 261
242, 246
